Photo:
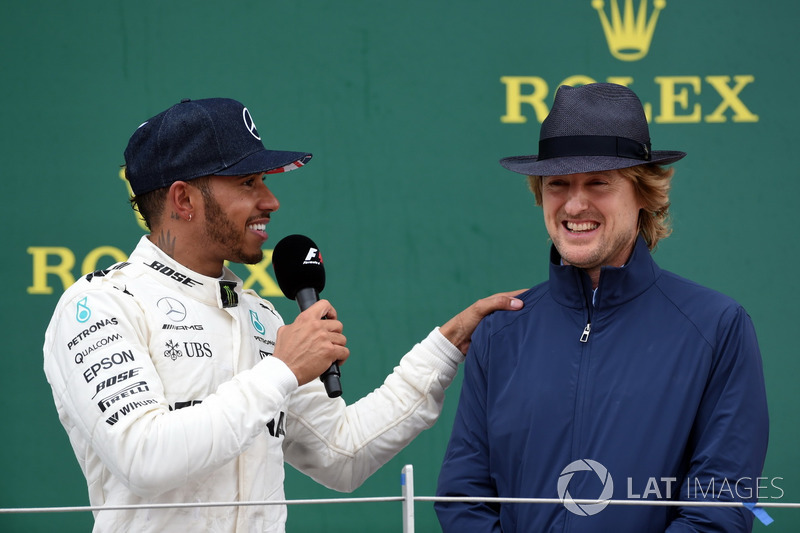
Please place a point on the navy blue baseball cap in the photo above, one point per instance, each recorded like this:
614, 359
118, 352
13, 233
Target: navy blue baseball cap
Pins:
195, 138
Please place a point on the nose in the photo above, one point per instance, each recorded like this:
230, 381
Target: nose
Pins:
267, 201
577, 200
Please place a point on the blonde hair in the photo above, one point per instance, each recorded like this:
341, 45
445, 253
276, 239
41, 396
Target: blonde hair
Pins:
652, 184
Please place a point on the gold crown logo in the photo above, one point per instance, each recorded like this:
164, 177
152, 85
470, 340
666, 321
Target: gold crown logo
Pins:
629, 34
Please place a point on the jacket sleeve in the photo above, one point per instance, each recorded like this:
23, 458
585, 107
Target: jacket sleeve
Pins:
112, 400
466, 470
341, 445
728, 444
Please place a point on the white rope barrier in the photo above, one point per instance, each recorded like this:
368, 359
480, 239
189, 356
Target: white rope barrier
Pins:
666, 503
23, 510
408, 499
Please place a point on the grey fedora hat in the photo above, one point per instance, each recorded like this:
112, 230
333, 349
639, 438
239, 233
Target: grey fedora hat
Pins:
595, 127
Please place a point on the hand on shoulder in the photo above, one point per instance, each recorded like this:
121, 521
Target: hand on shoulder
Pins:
458, 330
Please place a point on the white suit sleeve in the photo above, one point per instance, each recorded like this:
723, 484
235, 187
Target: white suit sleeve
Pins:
149, 447
340, 446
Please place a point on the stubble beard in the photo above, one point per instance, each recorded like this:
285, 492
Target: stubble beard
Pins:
603, 254
221, 230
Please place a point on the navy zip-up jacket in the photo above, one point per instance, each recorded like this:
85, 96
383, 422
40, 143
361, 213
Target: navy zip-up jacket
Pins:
654, 391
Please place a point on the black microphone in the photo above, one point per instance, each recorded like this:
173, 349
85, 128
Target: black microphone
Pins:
301, 276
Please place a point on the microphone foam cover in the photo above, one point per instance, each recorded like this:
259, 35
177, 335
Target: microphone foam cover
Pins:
298, 265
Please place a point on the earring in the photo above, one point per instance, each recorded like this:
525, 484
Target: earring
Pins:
190, 217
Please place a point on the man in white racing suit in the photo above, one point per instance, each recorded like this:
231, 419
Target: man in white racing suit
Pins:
175, 385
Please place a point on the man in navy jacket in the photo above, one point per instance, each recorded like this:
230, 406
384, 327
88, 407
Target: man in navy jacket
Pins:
618, 380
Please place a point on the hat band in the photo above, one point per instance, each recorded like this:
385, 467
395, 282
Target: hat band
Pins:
578, 145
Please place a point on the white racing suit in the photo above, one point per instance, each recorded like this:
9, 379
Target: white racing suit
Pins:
164, 383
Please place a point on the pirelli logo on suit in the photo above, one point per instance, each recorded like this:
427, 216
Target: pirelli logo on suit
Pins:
127, 392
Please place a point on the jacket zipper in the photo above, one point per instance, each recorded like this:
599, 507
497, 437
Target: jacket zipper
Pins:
586, 331
582, 386
589, 304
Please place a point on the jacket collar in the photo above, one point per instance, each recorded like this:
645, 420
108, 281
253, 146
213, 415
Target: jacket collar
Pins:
571, 286
217, 292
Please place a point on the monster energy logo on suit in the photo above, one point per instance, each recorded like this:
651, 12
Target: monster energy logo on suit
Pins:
227, 294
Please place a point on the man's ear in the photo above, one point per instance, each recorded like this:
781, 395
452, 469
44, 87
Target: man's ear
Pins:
182, 200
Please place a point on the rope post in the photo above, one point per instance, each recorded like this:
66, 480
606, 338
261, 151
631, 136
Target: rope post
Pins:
407, 483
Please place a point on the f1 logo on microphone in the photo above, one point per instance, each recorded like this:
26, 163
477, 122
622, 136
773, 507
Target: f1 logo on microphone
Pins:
313, 257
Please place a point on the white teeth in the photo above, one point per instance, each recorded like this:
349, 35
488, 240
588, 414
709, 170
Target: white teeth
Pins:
583, 226
257, 227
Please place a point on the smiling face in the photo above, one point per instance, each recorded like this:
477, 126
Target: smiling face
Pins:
592, 218
236, 211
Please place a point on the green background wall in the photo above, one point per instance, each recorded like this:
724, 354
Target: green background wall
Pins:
403, 106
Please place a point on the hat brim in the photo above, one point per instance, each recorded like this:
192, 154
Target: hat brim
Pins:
268, 162
530, 165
